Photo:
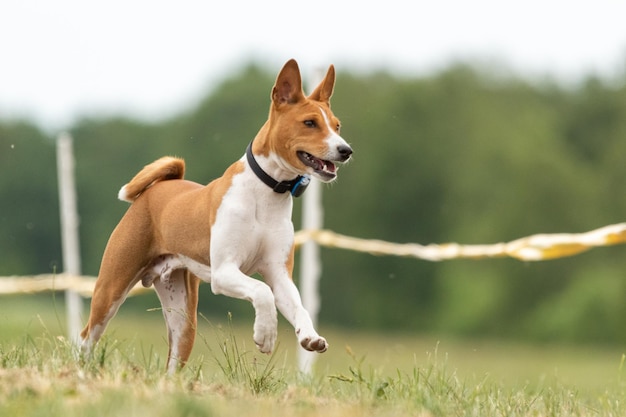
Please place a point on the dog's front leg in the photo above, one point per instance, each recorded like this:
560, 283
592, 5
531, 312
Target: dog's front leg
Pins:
290, 305
228, 280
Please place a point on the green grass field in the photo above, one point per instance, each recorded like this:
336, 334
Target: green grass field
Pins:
362, 374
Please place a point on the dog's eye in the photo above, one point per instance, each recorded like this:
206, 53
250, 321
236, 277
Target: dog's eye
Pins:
338, 127
310, 123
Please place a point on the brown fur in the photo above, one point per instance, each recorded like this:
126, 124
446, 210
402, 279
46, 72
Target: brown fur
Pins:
153, 226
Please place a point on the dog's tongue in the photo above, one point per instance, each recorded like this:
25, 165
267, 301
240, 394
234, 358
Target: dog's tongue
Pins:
329, 166
323, 165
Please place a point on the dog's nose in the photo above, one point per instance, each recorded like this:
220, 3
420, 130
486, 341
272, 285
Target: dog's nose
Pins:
344, 152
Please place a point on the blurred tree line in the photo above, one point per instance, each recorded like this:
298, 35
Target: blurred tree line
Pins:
465, 155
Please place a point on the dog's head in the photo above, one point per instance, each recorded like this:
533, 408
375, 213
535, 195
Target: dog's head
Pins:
303, 131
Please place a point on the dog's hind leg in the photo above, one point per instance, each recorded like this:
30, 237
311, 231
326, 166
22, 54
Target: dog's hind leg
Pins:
123, 259
108, 296
178, 294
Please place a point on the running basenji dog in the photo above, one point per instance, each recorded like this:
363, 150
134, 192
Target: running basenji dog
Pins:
178, 232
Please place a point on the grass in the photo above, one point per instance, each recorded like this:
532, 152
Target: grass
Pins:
361, 375
242, 368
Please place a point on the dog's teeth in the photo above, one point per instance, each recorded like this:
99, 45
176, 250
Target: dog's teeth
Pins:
320, 164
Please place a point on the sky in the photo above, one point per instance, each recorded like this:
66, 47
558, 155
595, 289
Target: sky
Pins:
61, 60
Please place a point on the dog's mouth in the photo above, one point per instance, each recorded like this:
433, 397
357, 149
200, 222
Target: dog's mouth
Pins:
322, 167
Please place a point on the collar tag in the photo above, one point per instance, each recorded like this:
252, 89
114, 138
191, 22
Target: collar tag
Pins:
300, 187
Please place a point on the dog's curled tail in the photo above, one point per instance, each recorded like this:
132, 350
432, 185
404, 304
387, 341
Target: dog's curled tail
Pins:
163, 169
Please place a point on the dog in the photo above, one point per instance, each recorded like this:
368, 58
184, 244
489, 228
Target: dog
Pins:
177, 233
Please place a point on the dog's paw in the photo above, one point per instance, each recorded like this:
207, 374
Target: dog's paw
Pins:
265, 334
265, 340
314, 344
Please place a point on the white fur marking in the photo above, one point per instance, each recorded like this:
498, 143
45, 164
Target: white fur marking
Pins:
122, 195
200, 270
333, 140
96, 331
173, 296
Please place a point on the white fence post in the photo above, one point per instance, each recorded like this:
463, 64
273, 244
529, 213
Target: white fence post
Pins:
69, 231
310, 262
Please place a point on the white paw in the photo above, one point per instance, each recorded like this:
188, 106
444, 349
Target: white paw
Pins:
85, 349
265, 333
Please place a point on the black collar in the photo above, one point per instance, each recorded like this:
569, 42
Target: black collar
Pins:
295, 186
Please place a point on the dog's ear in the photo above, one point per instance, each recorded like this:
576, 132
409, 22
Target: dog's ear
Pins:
288, 87
324, 91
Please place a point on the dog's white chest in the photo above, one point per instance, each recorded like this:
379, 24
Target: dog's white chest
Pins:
252, 227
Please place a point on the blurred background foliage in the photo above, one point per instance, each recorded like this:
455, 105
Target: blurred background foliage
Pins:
466, 155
